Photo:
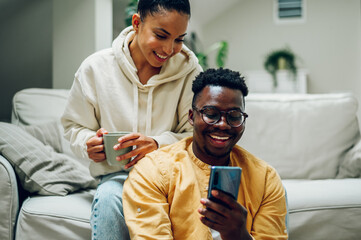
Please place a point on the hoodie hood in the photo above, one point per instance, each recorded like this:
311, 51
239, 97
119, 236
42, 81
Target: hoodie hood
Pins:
175, 68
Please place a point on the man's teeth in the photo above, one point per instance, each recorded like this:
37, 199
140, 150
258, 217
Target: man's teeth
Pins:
160, 56
220, 138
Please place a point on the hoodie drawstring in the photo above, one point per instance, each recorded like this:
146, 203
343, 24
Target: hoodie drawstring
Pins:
149, 112
148, 120
135, 107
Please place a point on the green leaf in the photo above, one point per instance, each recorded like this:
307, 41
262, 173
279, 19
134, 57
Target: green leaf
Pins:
131, 8
221, 49
222, 54
202, 59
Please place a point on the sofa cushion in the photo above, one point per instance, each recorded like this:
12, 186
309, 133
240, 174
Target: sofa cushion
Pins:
58, 217
36, 106
303, 136
39, 167
324, 209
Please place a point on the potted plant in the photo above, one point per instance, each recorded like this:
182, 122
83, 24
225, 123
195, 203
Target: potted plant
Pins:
281, 59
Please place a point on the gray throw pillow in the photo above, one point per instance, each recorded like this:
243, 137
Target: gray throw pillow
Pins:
47, 133
39, 167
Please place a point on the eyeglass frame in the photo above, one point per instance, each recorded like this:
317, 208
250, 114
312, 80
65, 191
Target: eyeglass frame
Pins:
225, 113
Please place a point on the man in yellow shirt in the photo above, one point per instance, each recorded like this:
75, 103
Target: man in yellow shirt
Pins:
165, 193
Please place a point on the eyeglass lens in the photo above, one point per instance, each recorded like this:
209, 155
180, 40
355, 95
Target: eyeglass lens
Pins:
212, 115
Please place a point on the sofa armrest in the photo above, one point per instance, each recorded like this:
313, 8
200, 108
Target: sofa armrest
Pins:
9, 200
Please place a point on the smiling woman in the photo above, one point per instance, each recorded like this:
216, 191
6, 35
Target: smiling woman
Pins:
125, 89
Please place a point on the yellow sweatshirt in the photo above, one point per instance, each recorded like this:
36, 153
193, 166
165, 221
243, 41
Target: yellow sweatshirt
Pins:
163, 191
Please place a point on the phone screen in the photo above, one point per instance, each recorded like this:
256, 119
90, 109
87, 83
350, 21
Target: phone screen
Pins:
226, 179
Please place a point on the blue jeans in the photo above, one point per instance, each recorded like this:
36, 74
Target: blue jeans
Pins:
107, 219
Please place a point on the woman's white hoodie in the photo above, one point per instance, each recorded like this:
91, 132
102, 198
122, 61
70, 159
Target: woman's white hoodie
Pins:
107, 93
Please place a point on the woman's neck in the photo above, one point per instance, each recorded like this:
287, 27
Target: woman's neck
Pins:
144, 74
144, 70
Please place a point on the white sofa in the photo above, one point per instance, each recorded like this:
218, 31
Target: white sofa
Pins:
312, 140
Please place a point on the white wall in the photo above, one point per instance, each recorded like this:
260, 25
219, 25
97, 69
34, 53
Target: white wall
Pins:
80, 28
103, 24
203, 11
328, 43
25, 49
42, 42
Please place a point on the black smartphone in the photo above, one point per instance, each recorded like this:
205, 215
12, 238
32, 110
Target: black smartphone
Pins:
226, 179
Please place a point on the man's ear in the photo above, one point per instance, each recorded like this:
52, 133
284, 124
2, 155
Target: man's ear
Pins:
190, 117
136, 21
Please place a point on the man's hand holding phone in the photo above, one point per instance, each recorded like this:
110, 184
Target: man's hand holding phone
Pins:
221, 210
228, 217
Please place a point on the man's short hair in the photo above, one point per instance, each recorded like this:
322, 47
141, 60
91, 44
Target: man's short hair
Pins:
146, 7
219, 77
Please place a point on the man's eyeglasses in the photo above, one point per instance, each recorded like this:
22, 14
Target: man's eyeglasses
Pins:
211, 115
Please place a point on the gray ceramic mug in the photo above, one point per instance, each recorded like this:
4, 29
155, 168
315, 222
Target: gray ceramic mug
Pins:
110, 140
